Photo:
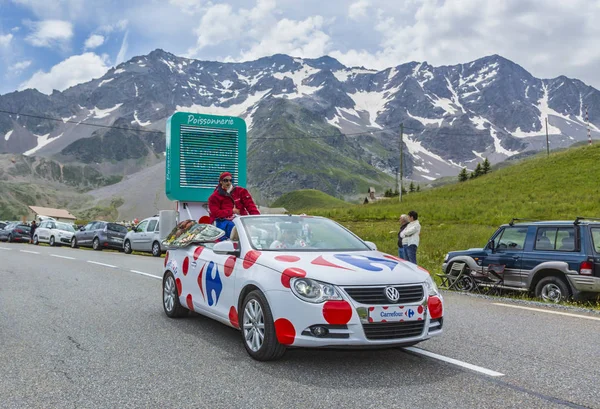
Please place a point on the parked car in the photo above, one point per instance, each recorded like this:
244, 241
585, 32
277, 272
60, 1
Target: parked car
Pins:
100, 235
54, 233
144, 237
327, 288
15, 232
555, 260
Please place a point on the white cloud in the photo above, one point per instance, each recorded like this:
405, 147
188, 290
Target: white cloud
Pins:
93, 41
18, 67
48, 33
188, 6
5, 40
74, 70
122, 50
120, 25
358, 10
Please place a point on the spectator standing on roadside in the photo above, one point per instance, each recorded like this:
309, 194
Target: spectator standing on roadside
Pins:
227, 201
32, 230
410, 236
401, 248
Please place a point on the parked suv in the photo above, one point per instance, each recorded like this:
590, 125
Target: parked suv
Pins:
144, 237
100, 235
53, 232
555, 260
15, 232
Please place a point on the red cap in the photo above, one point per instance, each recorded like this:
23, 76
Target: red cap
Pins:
224, 175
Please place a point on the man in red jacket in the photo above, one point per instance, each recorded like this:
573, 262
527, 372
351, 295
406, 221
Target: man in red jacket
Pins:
227, 201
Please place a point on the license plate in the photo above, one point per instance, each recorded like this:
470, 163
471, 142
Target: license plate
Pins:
118, 240
396, 313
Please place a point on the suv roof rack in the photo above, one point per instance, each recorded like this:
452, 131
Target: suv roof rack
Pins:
512, 222
578, 218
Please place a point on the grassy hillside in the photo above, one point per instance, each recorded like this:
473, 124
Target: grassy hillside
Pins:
308, 198
464, 215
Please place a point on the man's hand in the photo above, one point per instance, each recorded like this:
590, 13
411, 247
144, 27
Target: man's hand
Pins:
236, 210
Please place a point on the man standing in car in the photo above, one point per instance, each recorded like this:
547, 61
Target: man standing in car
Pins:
227, 201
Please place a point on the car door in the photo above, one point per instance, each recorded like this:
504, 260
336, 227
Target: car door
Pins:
508, 251
152, 223
138, 236
84, 237
42, 232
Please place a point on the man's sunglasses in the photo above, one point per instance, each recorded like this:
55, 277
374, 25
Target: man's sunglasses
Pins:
227, 180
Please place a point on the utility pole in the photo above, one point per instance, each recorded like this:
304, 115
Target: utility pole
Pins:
547, 142
401, 151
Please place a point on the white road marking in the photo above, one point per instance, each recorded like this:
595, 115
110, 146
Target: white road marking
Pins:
454, 361
5, 248
68, 258
145, 274
27, 251
102, 264
548, 311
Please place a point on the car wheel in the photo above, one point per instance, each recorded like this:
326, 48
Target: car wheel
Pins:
96, 244
552, 289
10, 239
35, 240
171, 304
74, 243
156, 249
258, 329
51, 242
127, 247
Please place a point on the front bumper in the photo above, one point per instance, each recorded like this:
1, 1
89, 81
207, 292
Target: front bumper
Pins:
357, 332
584, 283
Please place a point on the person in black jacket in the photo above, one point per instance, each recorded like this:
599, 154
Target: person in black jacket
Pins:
401, 249
32, 231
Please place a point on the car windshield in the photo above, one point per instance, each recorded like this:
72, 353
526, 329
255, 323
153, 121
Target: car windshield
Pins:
301, 233
116, 227
65, 227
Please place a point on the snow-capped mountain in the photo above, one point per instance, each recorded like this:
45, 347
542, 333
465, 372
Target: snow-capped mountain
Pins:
453, 116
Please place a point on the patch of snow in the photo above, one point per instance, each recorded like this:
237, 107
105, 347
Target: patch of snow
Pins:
101, 113
7, 135
250, 117
136, 120
392, 74
65, 120
415, 149
42, 140
335, 121
479, 122
498, 147
169, 64
136, 90
119, 71
105, 81
248, 80
349, 111
232, 110
455, 98
226, 84
443, 103
426, 121
427, 177
372, 102
341, 75
298, 78
421, 169
479, 155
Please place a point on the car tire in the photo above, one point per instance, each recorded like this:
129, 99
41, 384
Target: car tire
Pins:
156, 250
74, 243
96, 244
171, 304
127, 247
52, 241
36, 241
10, 239
255, 312
552, 289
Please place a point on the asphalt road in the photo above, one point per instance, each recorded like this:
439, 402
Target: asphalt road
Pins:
76, 334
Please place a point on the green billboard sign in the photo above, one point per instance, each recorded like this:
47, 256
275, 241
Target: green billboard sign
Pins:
199, 148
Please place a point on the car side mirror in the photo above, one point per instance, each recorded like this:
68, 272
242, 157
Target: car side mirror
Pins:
82, 228
371, 245
225, 248
490, 245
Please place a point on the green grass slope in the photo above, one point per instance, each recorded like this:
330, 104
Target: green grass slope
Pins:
308, 198
464, 215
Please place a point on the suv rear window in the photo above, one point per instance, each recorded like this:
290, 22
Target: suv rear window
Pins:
555, 239
596, 238
117, 228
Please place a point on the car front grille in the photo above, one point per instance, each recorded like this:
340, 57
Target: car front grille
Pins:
376, 295
393, 330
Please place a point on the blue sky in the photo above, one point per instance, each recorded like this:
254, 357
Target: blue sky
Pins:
54, 44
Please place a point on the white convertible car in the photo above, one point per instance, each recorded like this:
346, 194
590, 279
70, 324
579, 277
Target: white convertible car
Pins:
300, 281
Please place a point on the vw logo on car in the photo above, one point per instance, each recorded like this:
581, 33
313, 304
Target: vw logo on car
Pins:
392, 294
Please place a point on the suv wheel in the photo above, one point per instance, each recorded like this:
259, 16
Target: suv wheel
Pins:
156, 249
552, 289
52, 242
74, 243
10, 238
127, 247
35, 240
96, 244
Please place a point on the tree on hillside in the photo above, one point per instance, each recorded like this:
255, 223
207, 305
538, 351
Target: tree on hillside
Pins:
418, 188
478, 170
411, 188
463, 175
486, 167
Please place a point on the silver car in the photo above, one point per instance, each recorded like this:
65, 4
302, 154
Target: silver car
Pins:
144, 237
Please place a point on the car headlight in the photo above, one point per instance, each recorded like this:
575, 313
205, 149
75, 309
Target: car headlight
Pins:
431, 286
313, 291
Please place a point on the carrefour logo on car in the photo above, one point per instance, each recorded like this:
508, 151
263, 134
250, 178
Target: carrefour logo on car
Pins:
193, 120
410, 313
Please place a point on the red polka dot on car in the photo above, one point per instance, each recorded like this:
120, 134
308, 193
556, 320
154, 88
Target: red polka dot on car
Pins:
251, 258
288, 273
190, 302
337, 312
420, 309
197, 252
229, 265
436, 309
285, 331
287, 259
186, 266
166, 258
233, 317
178, 285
